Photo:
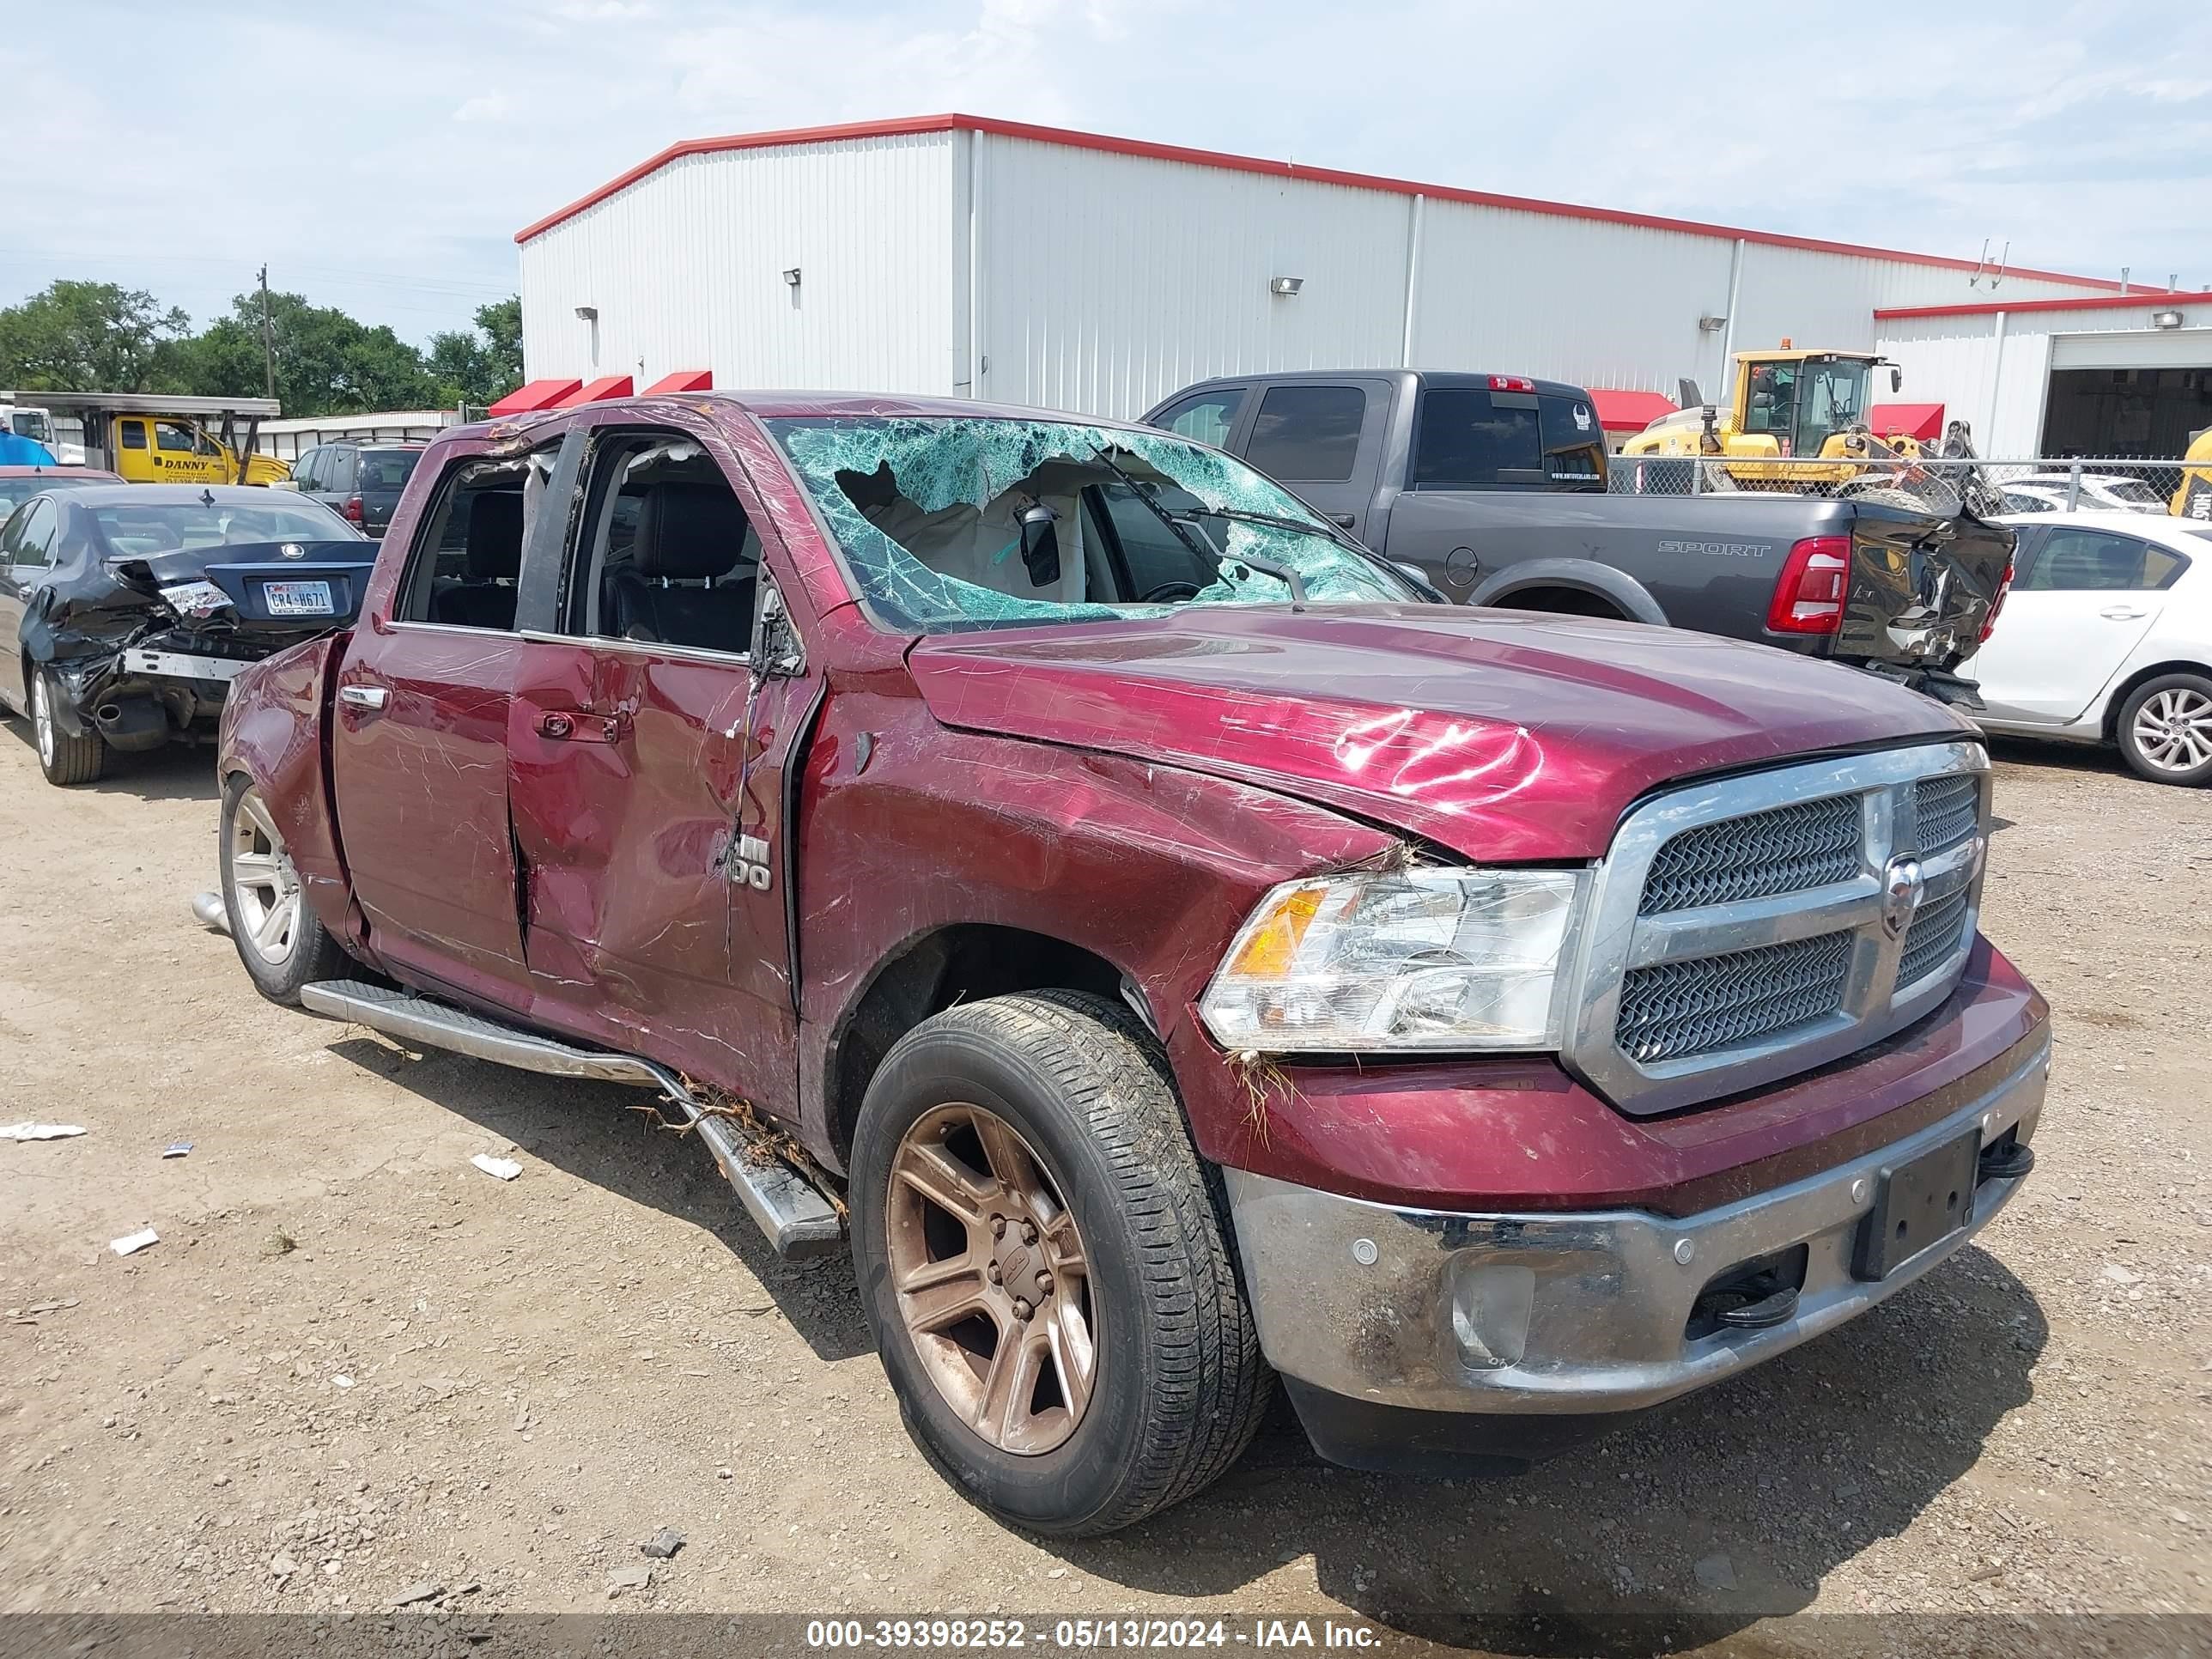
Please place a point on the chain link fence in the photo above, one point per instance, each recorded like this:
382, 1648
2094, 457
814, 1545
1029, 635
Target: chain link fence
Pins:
2028, 486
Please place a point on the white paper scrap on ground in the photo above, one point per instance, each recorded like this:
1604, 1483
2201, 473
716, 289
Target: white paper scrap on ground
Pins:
505, 1168
38, 1130
130, 1244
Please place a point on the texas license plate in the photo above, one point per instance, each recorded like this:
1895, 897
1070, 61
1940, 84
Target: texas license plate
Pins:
298, 599
1920, 1203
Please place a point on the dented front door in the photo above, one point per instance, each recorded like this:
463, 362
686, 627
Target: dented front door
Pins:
645, 780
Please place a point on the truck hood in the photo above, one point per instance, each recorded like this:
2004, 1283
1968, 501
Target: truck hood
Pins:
1501, 735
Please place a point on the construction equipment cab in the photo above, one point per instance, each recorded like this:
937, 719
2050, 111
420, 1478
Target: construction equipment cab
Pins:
148, 438
1787, 408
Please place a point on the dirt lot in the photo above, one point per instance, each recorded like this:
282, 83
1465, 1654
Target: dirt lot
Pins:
354, 1364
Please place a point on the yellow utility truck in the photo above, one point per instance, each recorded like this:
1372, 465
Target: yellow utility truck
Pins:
150, 437
1795, 420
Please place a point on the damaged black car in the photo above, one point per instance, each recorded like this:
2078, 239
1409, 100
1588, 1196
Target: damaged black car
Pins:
131, 608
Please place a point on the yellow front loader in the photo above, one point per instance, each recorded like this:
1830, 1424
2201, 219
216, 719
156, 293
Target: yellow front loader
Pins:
1795, 420
2194, 499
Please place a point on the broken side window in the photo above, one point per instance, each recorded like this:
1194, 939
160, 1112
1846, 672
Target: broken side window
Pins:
954, 522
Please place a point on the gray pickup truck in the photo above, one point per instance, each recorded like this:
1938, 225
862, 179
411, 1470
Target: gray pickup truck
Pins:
1493, 487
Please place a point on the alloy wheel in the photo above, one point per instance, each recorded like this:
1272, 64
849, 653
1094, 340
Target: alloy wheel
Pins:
991, 1278
42, 719
265, 887
2172, 730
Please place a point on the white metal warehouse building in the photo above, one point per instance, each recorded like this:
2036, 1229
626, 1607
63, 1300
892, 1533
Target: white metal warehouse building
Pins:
959, 255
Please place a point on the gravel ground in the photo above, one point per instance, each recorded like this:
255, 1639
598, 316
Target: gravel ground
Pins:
355, 1368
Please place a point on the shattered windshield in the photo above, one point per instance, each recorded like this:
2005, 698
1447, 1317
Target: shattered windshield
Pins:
950, 523
136, 529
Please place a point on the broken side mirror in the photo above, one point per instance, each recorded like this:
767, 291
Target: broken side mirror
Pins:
1041, 543
777, 652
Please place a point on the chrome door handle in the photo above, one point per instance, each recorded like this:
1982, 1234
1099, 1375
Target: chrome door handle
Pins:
364, 696
2121, 613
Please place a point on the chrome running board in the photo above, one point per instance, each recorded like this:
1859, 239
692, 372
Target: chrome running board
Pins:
794, 1214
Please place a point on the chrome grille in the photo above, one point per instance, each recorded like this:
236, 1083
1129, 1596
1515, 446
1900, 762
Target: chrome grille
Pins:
1749, 929
1681, 1009
1756, 856
1946, 811
1935, 933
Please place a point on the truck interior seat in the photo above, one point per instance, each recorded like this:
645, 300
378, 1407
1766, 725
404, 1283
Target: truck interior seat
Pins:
483, 597
671, 591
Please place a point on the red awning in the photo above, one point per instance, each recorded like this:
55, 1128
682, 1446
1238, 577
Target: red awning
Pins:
1921, 421
1630, 411
684, 379
530, 398
606, 387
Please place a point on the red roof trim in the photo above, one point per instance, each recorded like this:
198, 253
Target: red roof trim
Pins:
530, 398
1209, 158
683, 380
2147, 299
606, 387
1906, 421
1624, 411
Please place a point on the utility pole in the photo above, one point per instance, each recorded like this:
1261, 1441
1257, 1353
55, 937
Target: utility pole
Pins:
268, 350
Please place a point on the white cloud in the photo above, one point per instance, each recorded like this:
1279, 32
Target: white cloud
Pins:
486, 106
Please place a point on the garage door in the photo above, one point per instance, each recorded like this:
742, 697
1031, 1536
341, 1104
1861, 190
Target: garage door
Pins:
2177, 348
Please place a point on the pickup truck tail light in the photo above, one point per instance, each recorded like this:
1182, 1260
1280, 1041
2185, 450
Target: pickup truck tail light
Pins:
1990, 622
1808, 595
352, 510
1511, 383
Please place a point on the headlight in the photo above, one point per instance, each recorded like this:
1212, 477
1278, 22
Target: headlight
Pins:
195, 598
1430, 958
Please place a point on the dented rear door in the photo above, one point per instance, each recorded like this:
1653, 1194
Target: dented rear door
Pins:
419, 751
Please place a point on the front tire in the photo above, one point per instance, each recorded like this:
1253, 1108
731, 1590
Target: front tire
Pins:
66, 760
2165, 729
1044, 1264
279, 939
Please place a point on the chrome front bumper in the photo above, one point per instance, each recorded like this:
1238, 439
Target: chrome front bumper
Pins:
1440, 1311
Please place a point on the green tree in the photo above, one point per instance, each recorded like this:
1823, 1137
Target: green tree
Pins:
482, 365
327, 362
88, 337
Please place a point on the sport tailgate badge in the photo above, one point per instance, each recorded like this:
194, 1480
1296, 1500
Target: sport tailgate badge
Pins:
1901, 887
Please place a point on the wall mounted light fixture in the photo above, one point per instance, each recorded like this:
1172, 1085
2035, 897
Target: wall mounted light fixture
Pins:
792, 276
2166, 319
587, 314
1284, 286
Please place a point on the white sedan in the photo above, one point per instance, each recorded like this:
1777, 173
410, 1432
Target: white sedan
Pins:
2107, 637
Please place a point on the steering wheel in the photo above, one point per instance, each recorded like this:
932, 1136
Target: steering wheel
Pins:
1167, 591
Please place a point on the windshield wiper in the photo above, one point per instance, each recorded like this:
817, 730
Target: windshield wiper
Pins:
1241, 516
1175, 523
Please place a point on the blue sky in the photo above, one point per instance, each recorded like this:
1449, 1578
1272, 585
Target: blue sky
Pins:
381, 158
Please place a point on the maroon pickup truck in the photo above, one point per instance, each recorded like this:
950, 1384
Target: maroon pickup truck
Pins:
1168, 946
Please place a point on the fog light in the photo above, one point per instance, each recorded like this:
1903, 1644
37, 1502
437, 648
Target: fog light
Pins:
1490, 1307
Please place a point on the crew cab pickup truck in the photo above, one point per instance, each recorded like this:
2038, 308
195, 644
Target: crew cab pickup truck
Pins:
1166, 948
1495, 487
